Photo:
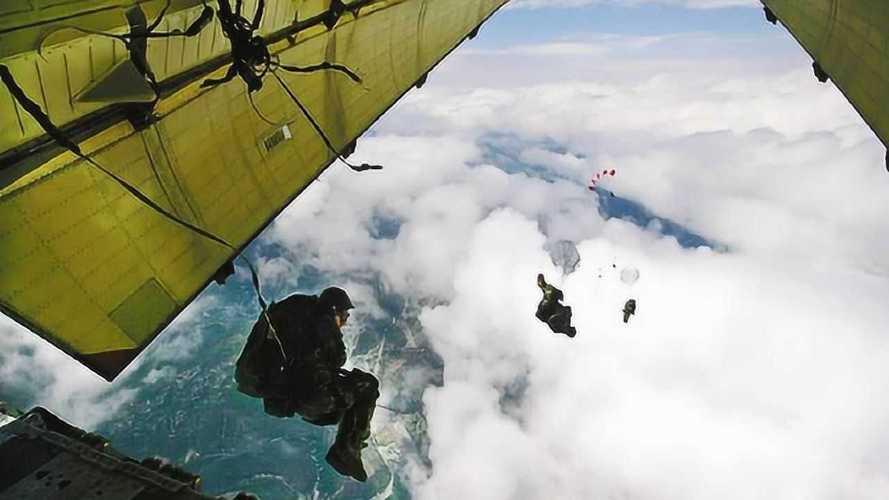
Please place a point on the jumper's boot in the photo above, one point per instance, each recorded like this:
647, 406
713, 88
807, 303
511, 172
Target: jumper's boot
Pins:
354, 429
347, 461
366, 389
344, 455
561, 322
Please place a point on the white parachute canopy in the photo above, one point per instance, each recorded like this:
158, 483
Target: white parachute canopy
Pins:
629, 275
565, 255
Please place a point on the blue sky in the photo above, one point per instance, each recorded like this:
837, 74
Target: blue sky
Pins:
528, 26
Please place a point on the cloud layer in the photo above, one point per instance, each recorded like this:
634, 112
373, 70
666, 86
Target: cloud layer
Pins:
33, 373
754, 372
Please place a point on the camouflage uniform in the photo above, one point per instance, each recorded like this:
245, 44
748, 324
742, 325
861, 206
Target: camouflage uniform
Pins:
313, 383
629, 309
551, 312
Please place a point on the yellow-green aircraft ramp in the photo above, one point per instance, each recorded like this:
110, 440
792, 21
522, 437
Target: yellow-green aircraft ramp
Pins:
86, 264
849, 39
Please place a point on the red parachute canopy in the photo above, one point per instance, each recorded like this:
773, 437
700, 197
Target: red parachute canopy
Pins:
599, 175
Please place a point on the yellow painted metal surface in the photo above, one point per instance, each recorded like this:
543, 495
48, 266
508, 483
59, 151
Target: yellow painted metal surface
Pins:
850, 40
97, 272
58, 73
23, 23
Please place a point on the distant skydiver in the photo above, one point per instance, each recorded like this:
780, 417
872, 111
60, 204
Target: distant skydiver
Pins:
629, 310
551, 312
296, 368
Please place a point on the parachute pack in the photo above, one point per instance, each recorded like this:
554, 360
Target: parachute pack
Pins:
270, 351
251, 372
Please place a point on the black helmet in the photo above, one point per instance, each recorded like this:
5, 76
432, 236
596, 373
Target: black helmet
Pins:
335, 298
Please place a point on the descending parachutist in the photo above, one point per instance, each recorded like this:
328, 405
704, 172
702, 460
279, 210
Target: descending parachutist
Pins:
629, 275
599, 175
310, 380
629, 310
556, 315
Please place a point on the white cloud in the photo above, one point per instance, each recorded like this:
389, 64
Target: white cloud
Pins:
29, 366
567, 164
185, 334
275, 271
158, 374
39, 374
754, 372
757, 372
728, 383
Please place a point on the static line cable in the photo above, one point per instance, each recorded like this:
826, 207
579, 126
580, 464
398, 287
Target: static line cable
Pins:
261, 115
193, 29
136, 40
273, 333
251, 60
33, 109
250, 55
308, 115
320, 67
